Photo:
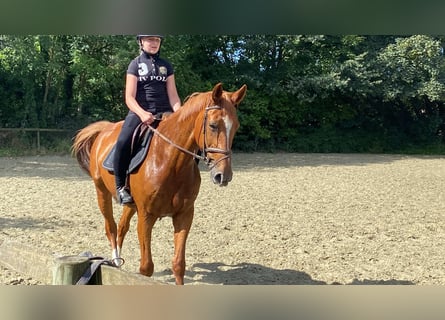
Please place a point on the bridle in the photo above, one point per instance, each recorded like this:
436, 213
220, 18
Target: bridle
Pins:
204, 157
226, 152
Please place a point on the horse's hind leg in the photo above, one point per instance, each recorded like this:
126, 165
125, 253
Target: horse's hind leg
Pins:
124, 225
105, 202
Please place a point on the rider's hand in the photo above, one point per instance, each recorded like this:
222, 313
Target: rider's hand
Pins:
147, 118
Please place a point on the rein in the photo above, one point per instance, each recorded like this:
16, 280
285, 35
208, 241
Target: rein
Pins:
204, 157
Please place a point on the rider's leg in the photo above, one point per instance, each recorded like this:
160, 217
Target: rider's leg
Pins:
122, 157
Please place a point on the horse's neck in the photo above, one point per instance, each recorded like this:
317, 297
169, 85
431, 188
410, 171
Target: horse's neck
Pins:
180, 131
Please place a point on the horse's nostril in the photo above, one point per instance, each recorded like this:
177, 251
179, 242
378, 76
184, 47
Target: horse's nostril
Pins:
218, 178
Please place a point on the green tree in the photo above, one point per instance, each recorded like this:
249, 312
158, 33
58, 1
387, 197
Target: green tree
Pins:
411, 89
311, 93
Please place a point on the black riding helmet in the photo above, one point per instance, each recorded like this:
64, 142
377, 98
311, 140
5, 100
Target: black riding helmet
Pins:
138, 39
139, 36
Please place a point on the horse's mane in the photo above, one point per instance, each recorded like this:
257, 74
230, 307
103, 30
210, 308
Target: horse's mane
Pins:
190, 96
194, 103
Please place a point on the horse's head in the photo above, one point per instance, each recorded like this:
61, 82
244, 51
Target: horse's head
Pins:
215, 130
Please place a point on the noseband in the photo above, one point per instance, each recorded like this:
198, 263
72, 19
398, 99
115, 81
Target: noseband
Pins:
208, 161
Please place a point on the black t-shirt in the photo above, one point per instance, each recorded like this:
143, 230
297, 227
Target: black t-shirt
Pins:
152, 74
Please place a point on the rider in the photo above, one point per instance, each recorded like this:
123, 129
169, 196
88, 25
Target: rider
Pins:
150, 89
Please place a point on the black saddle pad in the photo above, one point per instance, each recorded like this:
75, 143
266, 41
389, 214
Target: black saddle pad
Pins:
139, 153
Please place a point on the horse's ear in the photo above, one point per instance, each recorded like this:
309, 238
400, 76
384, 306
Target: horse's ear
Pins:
217, 92
239, 95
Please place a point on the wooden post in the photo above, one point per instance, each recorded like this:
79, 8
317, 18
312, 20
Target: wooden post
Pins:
42, 266
38, 140
69, 269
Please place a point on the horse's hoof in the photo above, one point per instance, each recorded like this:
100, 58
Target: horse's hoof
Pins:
118, 262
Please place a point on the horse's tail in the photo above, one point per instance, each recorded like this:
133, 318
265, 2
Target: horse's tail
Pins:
83, 142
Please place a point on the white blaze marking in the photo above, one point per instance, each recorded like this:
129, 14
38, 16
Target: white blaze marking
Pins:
228, 124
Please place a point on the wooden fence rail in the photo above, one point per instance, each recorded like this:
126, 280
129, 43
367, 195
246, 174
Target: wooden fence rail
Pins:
37, 130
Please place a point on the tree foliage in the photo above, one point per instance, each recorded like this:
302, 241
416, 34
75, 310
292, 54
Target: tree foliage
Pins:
306, 93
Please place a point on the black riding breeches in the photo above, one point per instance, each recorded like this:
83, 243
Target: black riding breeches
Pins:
122, 155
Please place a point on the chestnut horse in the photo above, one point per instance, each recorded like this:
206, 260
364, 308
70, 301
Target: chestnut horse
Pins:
168, 180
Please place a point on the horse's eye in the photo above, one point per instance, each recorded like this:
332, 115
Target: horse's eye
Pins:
213, 126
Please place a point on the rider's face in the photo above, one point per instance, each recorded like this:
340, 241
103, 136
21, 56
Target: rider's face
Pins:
151, 44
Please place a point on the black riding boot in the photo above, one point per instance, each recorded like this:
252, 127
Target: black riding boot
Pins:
124, 196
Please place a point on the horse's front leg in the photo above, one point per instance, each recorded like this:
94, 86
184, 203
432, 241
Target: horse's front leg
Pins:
182, 224
146, 222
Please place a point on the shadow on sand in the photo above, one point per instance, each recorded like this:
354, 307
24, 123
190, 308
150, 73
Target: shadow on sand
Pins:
31, 223
66, 167
256, 274
249, 161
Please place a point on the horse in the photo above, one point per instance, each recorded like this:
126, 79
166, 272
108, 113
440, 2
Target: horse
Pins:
167, 182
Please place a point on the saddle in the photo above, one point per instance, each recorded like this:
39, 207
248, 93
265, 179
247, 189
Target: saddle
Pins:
140, 144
